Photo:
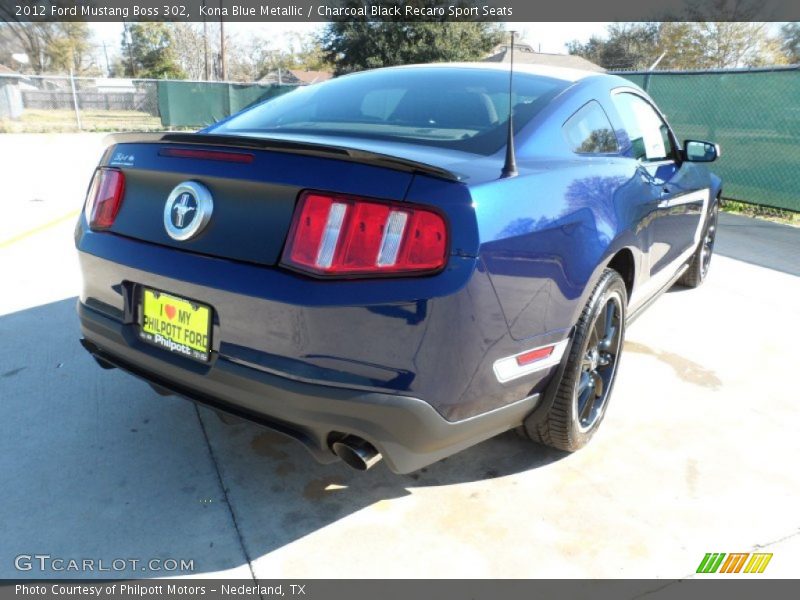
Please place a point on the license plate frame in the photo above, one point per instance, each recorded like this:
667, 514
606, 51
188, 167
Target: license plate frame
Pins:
176, 334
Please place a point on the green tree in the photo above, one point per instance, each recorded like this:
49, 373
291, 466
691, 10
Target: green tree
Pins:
680, 46
70, 48
627, 46
148, 53
357, 45
308, 52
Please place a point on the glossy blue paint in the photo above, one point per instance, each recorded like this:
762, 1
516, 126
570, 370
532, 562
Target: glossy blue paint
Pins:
525, 253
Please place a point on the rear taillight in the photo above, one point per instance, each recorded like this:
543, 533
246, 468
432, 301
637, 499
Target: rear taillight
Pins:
339, 235
104, 198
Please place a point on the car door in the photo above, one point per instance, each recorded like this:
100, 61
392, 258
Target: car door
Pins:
675, 196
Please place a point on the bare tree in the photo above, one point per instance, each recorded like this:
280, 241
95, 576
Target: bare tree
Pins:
731, 44
684, 45
734, 41
32, 39
790, 44
50, 47
187, 43
251, 58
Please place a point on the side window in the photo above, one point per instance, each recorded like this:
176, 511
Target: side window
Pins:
589, 131
649, 135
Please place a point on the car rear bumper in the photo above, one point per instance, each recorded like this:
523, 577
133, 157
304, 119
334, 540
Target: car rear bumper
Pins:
407, 431
434, 338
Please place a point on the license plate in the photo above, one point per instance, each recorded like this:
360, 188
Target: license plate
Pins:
176, 324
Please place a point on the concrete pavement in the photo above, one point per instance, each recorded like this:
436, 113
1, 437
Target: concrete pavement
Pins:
696, 455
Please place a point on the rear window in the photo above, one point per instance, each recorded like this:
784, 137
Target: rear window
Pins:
459, 109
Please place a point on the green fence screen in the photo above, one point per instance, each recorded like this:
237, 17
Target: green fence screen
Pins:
196, 104
753, 115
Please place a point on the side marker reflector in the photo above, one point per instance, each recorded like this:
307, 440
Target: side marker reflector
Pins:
529, 361
534, 355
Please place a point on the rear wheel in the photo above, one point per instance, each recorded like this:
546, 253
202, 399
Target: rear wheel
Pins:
698, 268
583, 393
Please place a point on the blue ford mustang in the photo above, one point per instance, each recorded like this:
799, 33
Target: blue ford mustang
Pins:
366, 266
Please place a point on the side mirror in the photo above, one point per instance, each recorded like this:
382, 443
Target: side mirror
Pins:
697, 151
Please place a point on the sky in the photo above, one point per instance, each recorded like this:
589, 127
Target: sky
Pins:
544, 37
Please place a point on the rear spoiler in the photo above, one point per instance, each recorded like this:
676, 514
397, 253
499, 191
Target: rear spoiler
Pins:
292, 147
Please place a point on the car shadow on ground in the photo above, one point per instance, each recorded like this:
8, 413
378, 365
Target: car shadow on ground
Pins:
278, 493
757, 242
104, 467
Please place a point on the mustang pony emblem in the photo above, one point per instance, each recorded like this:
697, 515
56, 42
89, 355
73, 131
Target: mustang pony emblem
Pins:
188, 210
182, 208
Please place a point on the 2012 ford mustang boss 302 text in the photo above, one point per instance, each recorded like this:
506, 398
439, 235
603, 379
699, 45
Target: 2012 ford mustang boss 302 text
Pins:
369, 265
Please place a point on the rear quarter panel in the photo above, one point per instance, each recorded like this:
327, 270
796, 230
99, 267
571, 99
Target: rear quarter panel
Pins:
547, 234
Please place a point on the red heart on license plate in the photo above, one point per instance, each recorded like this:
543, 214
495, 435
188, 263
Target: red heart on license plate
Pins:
170, 310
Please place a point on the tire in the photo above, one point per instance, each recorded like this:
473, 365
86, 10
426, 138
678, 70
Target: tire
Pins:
695, 275
591, 367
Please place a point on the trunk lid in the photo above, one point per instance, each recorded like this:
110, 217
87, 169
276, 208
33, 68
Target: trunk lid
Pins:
253, 201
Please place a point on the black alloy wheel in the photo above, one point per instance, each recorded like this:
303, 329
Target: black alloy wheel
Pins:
599, 363
582, 396
707, 248
701, 260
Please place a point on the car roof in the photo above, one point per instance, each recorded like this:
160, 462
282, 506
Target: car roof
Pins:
561, 73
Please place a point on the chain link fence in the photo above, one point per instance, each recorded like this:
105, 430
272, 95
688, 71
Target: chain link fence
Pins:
63, 104
753, 114
52, 104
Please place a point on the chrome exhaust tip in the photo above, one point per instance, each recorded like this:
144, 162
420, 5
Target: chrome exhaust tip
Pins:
356, 453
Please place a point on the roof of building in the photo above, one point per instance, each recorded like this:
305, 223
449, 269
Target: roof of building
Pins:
299, 76
309, 77
525, 55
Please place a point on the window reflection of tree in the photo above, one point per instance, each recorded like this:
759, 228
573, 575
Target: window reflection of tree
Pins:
600, 141
599, 194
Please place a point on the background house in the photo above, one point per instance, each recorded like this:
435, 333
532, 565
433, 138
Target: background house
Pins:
295, 77
525, 54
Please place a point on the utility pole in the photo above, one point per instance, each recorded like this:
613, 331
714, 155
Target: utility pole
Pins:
105, 52
129, 43
75, 99
222, 73
205, 43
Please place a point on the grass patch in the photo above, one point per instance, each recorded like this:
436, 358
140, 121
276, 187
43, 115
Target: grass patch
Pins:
63, 121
